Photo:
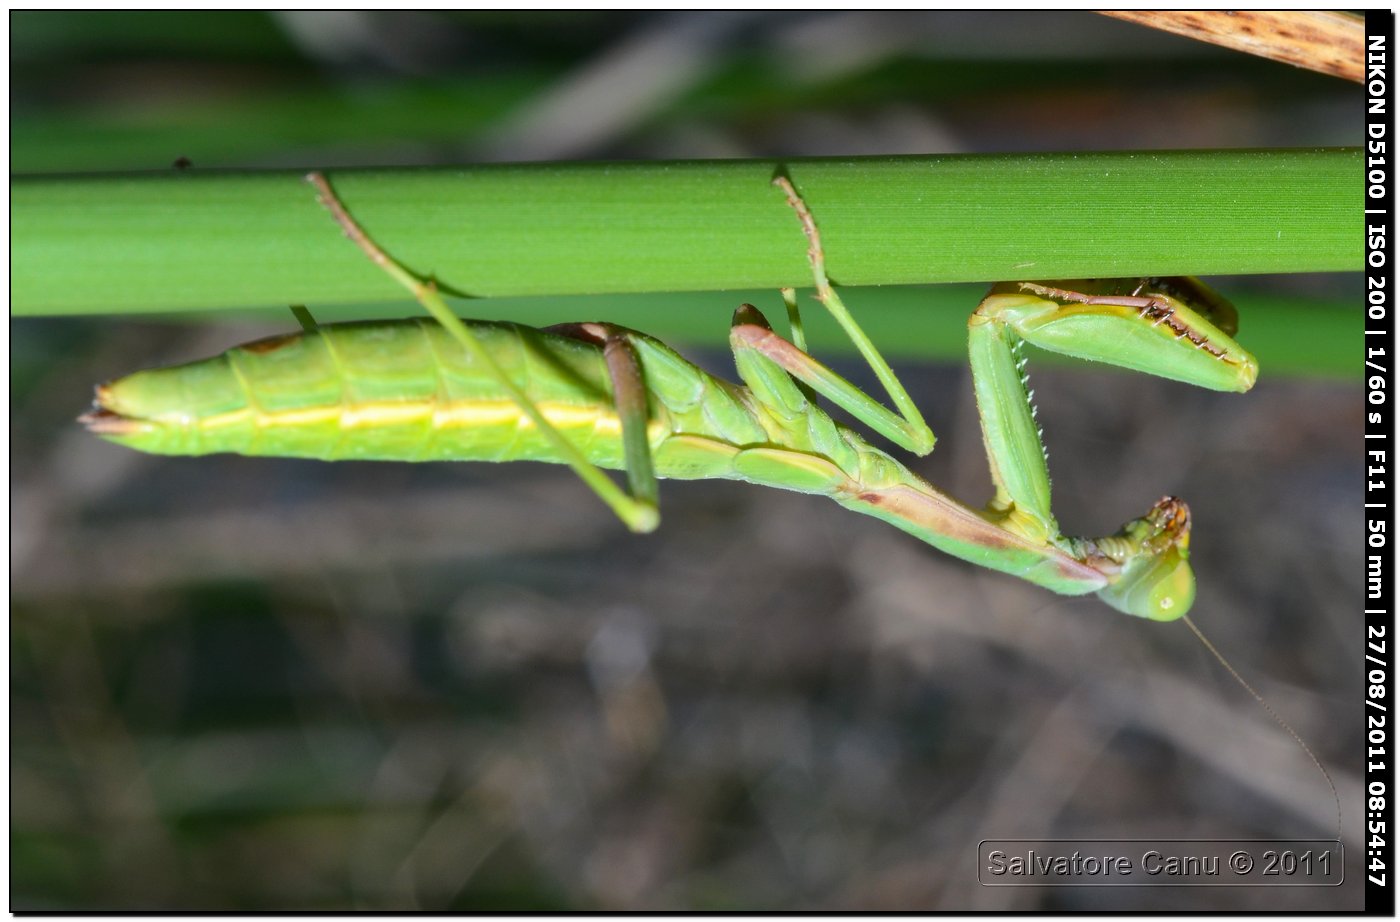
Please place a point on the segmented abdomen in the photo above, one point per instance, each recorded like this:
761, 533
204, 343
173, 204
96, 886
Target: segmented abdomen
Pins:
405, 390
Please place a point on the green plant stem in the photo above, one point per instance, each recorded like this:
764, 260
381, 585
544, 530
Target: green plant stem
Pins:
1290, 336
197, 241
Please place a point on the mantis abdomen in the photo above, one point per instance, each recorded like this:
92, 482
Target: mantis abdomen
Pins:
400, 390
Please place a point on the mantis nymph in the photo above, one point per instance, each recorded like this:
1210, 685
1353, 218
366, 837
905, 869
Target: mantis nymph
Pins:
594, 396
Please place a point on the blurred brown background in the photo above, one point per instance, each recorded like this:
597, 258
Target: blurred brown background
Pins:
253, 684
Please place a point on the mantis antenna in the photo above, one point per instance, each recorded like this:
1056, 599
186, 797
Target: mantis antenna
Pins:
1220, 657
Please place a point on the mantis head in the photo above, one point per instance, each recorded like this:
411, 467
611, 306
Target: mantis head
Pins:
1154, 578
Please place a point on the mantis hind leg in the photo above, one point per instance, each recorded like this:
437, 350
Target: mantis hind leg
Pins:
638, 513
629, 395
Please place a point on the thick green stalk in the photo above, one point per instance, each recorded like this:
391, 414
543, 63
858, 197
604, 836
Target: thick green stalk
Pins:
182, 241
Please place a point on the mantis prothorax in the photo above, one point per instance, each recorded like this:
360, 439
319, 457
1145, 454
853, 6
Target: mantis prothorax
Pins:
594, 396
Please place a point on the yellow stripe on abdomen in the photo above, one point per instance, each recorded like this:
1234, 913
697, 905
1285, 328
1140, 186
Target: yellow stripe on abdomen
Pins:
413, 430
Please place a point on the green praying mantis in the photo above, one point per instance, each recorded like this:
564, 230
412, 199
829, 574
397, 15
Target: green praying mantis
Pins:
595, 396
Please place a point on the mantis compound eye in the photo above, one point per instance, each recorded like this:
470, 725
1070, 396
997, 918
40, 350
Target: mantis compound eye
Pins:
1161, 588
1155, 580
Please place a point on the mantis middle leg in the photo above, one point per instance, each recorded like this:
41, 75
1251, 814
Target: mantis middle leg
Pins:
907, 429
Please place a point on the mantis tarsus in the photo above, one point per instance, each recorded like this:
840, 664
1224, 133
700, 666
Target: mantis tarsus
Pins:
594, 395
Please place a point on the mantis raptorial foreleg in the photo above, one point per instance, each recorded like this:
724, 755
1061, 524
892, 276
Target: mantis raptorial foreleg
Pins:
638, 512
1144, 325
1173, 328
